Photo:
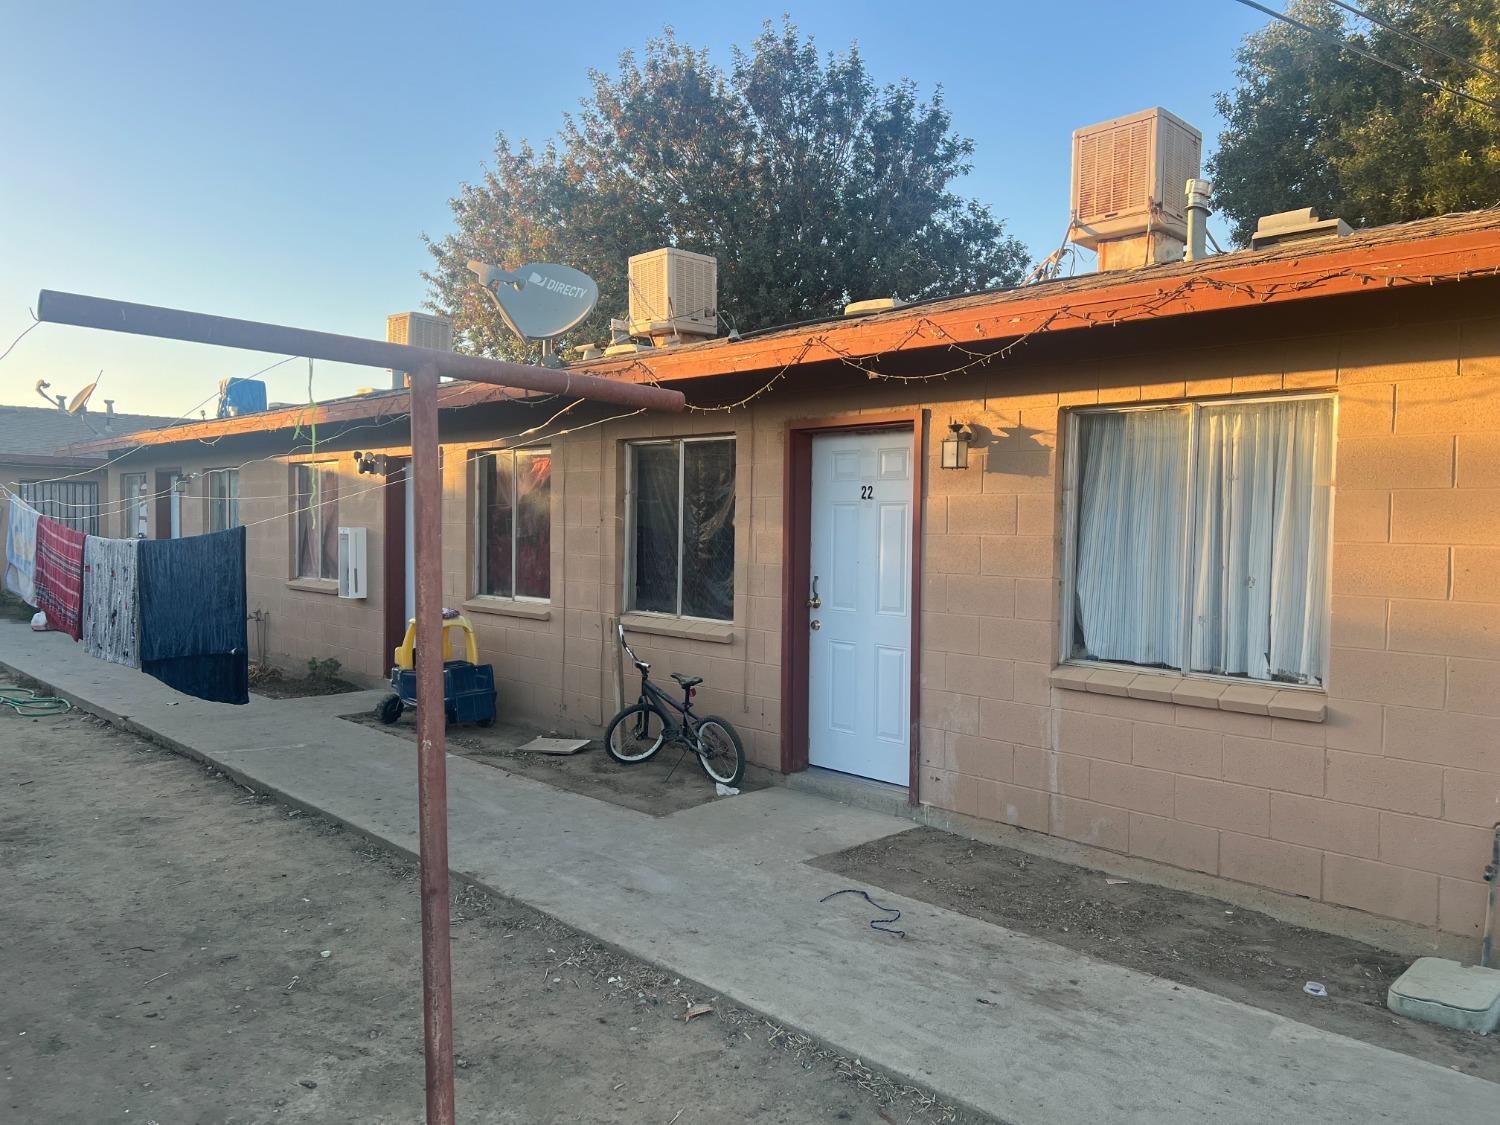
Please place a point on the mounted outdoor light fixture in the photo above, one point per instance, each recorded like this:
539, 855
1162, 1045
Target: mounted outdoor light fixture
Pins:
372, 463
956, 447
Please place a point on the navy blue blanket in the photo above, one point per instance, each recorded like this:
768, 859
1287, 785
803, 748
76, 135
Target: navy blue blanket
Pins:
192, 595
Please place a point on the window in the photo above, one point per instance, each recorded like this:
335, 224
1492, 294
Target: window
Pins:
681, 535
134, 506
513, 539
316, 502
1200, 537
74, 503
223, 499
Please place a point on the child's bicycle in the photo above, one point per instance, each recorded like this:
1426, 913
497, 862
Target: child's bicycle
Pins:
640, 730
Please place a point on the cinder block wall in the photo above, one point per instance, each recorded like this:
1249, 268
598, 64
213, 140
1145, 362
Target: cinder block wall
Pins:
1385, 806
1382, 807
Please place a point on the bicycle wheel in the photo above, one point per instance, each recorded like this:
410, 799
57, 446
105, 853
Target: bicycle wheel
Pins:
720, 751
635, 735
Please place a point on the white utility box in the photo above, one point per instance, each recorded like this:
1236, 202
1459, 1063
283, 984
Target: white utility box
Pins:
353, 576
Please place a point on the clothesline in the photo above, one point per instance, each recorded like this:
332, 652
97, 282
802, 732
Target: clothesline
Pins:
120, 506
175, 608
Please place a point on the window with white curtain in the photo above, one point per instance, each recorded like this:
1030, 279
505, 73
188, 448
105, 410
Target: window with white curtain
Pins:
1200, 537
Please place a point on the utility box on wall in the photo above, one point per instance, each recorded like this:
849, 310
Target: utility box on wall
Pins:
353, 580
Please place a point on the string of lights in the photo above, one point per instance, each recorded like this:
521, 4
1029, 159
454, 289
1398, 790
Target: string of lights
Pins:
924, 328
918, 336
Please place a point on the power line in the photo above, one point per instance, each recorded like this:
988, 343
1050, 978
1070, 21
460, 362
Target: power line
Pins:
1355, 49
19, 338
1416, 40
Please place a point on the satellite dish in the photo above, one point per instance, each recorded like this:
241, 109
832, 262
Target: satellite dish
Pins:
540, 301
81, 399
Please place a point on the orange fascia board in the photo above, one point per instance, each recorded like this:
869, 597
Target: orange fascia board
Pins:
975, 322
1426, 252
363, 407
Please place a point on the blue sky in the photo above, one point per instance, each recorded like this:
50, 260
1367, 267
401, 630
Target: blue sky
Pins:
280, 161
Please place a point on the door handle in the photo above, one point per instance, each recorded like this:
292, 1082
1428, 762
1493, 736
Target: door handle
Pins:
815, 624
815, 602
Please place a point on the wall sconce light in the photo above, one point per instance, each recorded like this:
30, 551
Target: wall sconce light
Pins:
956, 447
371, 463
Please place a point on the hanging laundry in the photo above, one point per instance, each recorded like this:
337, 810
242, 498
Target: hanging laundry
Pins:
20, 550
111, 600
59, 575
192, 606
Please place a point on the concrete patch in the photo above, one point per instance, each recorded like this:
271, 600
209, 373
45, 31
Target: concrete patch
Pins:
1009, 1025
1465, 997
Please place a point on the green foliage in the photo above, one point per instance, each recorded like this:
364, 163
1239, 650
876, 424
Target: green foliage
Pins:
810, 184
325, 669
1310, 125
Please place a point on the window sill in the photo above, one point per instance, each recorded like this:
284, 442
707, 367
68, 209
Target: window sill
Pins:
314, 585
509, 607
1308, 705
715, 632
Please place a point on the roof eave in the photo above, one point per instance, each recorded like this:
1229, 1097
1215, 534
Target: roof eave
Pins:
1321, 270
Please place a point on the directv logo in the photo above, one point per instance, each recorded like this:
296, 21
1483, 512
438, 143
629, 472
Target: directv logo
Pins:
551, 285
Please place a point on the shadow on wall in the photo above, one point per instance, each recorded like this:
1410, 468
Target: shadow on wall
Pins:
1002, 441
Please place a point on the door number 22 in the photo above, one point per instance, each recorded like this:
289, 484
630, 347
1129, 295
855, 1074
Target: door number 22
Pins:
867, 492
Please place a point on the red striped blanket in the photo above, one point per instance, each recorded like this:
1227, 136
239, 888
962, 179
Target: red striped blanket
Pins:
59, 576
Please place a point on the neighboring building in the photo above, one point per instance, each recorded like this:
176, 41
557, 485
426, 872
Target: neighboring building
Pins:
37, 461
1219, 586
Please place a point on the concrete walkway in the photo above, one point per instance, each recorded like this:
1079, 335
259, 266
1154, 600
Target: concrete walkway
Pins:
721, 893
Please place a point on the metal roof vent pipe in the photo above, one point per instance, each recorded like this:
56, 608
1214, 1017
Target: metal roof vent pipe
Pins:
1199, 192
109, 414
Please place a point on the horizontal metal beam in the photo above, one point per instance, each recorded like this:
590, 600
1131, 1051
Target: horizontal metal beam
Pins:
175, 324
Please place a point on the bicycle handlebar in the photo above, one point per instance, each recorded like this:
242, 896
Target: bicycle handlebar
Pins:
630, 652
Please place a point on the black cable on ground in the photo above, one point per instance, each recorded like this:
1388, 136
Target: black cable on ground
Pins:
883, 925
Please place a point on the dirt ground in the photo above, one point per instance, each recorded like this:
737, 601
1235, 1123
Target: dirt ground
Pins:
180, 950
1216, 946
670, 782
273, 683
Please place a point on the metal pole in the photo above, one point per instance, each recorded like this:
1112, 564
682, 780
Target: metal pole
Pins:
427, 366
432, 766
175, 324
1199, 192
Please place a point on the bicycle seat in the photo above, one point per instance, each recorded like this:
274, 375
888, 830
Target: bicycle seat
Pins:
686, 682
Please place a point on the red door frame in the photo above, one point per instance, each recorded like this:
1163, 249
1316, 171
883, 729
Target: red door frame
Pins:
796, 562
394, 557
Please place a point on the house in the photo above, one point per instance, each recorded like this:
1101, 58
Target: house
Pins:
1214, 581
37, 463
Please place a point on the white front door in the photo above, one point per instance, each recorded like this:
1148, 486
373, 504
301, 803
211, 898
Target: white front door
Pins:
859, 644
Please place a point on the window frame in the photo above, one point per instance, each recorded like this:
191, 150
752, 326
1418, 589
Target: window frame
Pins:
230, 500
1070, 535
628, 593
322, 468
476, 570
135, 503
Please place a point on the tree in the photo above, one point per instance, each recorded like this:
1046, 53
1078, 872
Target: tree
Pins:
810, 184
1310, 125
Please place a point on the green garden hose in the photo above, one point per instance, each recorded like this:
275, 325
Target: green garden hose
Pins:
29, 705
